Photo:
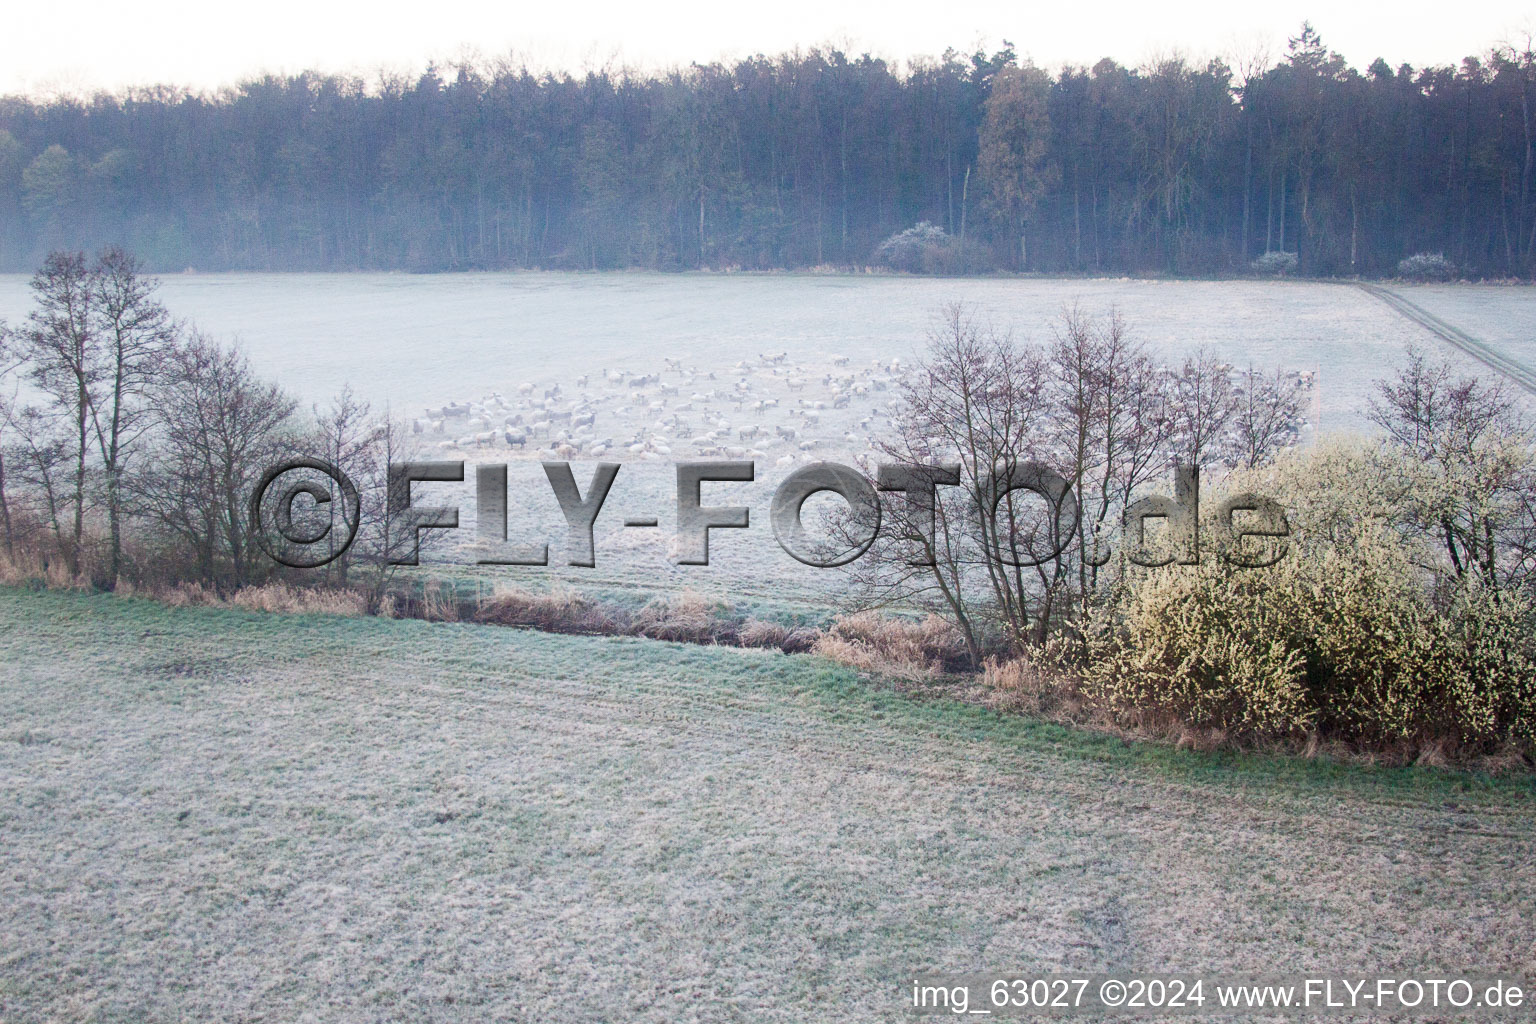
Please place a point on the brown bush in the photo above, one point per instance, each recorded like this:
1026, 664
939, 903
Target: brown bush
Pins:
286, 599
687, 617
560, 610
898, 647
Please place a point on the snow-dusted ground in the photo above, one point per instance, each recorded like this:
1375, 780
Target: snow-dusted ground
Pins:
422, 341
210, 815
673, 367
1504, 316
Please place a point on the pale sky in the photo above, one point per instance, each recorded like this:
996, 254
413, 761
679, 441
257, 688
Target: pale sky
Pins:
87, 44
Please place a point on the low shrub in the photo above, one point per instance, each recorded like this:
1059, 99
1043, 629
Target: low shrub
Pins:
1276, 264
926, 248
687, 617
1337, 641
1426, 266
559, 610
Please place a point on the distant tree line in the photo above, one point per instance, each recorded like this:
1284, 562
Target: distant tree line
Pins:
804, 159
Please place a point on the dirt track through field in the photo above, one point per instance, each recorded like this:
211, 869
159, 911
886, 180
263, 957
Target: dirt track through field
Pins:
217, 815
1517, 371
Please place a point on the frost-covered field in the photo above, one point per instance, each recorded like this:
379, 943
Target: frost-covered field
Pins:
782, 369
1504, 316
421, 341
212, 815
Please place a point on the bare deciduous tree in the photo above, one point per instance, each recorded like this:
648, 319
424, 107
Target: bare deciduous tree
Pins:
134, 331
1476, 449
1200, 407
10, 362
61, 348
364, 446
1061, 440
1266, 415
963, 439
93, 345
217, 428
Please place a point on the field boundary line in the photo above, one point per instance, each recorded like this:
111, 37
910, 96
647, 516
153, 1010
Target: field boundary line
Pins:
1519, 372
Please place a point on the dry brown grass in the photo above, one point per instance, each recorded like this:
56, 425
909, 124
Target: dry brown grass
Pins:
439, 602
25, 567
789, 639
902, 648
274, 597
284, 599
758, 633
687, 618
1028, 686
560, 610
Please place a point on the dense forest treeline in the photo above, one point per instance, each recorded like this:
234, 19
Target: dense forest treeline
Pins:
805, 159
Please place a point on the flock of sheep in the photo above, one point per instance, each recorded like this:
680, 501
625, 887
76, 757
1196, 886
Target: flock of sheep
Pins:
765, 408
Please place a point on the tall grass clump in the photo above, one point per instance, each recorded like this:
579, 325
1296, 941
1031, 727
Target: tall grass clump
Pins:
904, 648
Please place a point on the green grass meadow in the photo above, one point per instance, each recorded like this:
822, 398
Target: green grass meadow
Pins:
209, 814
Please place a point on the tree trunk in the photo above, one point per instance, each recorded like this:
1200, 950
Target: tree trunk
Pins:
1354, 230
1247, 188
5, 513
73, 558
1283, 172
1077, 228
965, 192
115, 524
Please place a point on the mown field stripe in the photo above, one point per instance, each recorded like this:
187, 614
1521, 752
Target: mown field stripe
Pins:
1515, 370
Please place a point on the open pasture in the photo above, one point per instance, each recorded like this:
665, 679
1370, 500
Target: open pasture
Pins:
220, 815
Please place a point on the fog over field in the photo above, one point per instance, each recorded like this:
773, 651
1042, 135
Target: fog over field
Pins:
420, 341
757, 354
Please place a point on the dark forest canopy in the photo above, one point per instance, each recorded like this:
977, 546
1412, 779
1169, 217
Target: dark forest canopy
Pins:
810, 158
